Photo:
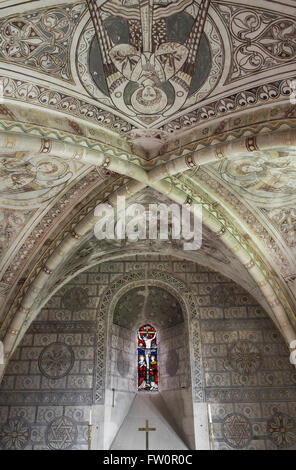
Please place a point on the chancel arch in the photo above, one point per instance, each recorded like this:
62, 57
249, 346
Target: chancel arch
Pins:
153, 297
76, 357
261, 267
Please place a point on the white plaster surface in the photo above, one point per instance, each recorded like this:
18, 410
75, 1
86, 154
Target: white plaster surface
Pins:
154, 409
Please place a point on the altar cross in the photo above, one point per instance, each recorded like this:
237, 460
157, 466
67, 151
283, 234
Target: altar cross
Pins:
147, 429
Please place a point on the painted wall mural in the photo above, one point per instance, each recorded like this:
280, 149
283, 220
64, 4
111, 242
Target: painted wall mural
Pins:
40, 39
149, 59
28, 186
15, 434
268, 178
263, 221
135, 60
28, 181
143, 63
261, 40
11, 222
266, 182
237, 431
284, 218
61, 433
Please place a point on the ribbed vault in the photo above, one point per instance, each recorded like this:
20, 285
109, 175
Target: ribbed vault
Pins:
68, 143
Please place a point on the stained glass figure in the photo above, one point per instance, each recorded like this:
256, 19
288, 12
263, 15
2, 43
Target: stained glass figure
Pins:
147, 358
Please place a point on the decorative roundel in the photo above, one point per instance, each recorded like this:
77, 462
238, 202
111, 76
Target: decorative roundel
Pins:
56, 360
61, 433
281, 429
244, 357
237, 430
15, 434
49, 169
172, 362
75, 298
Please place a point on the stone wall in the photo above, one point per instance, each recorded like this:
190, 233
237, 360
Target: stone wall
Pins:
58, 370
122, 368
174, 359
48, 385
249, 383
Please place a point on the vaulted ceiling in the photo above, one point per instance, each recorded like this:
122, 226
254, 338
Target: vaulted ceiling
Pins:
184, 101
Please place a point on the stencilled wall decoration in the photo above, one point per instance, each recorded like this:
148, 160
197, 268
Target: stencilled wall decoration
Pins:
282, 430
61, 433
244, 357
240, 364
15, 434
56, 360
237, 431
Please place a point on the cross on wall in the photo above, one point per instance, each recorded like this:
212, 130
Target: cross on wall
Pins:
147, 429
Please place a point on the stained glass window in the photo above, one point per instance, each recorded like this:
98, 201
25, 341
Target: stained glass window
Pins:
147, 358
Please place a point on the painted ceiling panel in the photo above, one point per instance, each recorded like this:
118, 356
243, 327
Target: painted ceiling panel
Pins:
189, 55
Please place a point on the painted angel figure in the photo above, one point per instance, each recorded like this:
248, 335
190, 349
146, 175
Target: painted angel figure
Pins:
135, 72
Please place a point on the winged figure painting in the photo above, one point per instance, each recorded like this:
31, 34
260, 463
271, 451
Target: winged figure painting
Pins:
146, 74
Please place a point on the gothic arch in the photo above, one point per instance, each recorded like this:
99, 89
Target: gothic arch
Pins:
185, 297
268, 280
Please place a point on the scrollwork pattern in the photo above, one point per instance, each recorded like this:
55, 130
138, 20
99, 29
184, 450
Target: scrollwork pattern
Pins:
40, 40
260, 39
264, 42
